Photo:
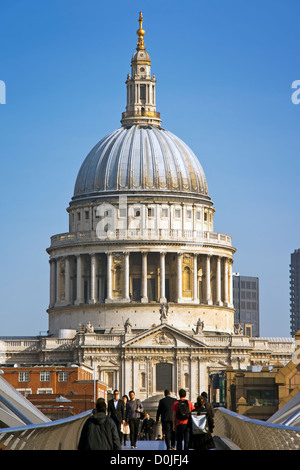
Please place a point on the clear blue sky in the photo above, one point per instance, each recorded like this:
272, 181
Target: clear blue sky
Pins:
224, 71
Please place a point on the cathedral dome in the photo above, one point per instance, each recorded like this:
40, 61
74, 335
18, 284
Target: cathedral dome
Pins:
140, 159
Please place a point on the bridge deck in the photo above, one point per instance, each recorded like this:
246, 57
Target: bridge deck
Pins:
154, 445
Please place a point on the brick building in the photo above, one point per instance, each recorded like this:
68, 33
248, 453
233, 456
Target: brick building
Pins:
58, 391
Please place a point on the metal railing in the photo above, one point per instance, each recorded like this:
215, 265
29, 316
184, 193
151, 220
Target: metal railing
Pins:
62, 434
239, 431
253, 434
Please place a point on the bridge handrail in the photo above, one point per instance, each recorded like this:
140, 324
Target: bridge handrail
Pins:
254, 434
61, 434
246, 433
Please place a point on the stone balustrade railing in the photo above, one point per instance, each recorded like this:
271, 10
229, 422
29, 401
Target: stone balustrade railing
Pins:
282, 346
145, 234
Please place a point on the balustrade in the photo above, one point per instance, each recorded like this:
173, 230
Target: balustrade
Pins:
144, 234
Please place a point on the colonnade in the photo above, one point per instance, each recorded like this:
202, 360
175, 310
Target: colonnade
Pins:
91, 278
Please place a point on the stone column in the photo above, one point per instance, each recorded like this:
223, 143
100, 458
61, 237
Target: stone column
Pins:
93, 298
144, 297
101, 278
52, 282
218, 282
67, 280
203, 375
126, 276
179, 277
79, 287
58, 291
177, 386
225, 282
195, 278
207, 277
162, 277
109, 277
193, 380
230, 284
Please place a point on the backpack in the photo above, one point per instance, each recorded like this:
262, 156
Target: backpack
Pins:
142, 413
183, 412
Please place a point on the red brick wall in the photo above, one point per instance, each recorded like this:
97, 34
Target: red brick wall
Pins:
79, 388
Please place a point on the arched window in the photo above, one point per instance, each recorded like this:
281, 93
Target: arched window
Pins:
186, 380
186, 278
118, 278
143, 92
143, 380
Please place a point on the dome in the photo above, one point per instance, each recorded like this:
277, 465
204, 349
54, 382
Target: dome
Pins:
140, 159
141, 57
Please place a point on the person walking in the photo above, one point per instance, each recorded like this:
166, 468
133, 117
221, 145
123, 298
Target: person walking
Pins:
181, 420
147, 427
99, 432
125, 426
208, 404
205, 440
134, 408
115, 409
165, 411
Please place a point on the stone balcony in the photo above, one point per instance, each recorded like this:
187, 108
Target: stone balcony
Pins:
147, 235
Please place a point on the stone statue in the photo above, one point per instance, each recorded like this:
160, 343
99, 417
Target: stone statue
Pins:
164, 311
238, 329
128, 326
199, 327
89, 328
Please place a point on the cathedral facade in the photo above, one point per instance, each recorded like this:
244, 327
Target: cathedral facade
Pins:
141, 285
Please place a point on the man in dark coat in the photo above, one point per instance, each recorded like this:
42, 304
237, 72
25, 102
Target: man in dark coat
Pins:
147, 427
115, 409
99, 432
165, 411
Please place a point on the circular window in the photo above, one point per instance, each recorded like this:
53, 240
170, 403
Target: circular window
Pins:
142, 69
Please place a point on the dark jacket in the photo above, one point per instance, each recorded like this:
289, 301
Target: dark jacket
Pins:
210, 414
165, 409
147, 425
99, 432
204, 441
118, 413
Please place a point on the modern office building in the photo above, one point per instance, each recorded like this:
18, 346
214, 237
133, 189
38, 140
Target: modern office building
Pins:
295, 292
246, 303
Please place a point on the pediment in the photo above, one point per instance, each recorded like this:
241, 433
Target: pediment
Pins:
163, 336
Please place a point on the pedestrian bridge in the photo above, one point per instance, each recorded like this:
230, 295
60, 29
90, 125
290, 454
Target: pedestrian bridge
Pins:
231, 432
